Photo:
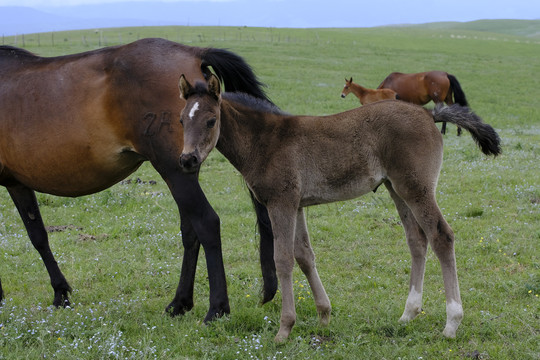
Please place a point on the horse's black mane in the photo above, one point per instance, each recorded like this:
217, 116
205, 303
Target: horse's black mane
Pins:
253, 102
12, 50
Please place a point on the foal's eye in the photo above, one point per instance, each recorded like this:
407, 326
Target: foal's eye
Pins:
210, 124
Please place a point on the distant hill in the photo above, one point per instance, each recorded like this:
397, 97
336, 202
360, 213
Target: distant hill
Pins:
527, 28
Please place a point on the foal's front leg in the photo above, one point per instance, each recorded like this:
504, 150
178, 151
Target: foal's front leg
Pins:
283, 220
305, 257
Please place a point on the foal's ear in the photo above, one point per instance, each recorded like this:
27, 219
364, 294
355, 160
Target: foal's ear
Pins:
184, 86
214, 87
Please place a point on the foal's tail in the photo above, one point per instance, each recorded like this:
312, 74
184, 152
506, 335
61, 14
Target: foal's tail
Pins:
233, 71
483, 134
459, 95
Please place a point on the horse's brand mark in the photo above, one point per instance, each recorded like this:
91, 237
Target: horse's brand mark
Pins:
165, 121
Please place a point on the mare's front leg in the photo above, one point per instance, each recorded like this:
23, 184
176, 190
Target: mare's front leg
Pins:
26, 203
183, 300
305, 257
283, 218
201, 225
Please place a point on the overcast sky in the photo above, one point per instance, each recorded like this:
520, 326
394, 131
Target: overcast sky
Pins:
281, 13
469, 9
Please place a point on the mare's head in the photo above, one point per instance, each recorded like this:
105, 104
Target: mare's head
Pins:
200, 119
346, 88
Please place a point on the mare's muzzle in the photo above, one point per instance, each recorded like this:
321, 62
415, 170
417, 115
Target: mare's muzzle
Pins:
190, 162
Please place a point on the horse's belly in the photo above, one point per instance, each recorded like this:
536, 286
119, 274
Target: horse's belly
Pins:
72, 176
345, 191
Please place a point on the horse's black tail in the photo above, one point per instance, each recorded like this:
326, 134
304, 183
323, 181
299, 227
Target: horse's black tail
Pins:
459, 95
233, 71
483, 134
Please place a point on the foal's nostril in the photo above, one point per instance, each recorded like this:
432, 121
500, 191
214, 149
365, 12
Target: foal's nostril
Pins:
189, 161
343, 95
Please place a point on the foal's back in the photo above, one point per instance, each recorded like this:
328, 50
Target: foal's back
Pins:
343, 156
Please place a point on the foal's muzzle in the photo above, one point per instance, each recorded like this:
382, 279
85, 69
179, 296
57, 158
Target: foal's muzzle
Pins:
190, 162
343, 95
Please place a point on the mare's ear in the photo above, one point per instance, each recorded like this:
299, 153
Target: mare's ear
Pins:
214, 87
184, 86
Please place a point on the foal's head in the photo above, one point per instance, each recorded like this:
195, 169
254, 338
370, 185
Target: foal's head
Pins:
346, 88
200, 119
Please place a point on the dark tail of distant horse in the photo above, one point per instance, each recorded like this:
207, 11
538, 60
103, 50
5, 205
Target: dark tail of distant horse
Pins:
238, 76
459, 95
483, 134
233, 71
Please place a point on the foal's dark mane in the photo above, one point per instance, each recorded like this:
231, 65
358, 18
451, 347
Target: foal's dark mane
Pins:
253, 103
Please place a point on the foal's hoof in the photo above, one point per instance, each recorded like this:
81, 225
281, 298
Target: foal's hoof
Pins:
282, 335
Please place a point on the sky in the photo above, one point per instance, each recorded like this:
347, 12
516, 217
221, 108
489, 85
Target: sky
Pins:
284, 13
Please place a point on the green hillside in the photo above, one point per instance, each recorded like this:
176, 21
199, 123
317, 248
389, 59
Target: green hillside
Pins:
526, 28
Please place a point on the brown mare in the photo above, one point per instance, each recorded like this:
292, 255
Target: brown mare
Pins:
366, 95
290, 162
77, 124
421, 88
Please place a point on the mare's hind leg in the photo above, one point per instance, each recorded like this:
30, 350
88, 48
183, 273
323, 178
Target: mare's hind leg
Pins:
441, 238
305, 258
417, 241
26, 203
266, 251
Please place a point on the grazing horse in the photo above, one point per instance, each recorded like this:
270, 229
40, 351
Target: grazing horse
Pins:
366, 95
290, 162
421, 88
77, 124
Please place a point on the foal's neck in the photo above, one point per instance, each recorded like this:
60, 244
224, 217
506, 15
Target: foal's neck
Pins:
242, 133
358, 90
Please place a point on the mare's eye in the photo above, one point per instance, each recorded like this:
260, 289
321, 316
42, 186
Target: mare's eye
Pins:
210, 124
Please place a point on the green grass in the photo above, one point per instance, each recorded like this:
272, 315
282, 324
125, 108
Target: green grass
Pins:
121, 248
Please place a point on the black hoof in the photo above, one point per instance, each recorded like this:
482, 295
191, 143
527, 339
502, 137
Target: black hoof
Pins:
214, 314
176, 308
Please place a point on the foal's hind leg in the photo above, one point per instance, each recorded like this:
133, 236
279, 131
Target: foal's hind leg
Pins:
441, 238
306, 260
417, 241
26, 203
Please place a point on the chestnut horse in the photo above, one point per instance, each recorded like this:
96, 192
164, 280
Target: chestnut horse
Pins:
290, 162
421, 88
366, 95
77, 124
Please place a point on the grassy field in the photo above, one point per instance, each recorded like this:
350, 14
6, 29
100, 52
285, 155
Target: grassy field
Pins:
121, 249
